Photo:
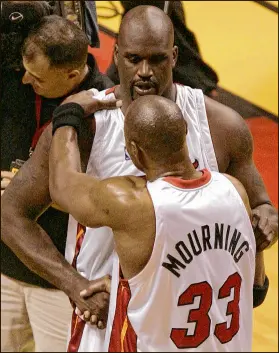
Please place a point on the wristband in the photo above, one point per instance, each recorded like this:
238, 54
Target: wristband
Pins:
259, 293
69, 114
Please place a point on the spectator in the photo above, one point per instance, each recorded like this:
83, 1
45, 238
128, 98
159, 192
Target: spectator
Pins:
35, 315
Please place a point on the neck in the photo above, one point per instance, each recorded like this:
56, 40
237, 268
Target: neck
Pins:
82, 76
170, 93
184, 170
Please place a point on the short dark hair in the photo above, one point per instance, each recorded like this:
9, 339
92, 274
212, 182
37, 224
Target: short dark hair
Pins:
60, 40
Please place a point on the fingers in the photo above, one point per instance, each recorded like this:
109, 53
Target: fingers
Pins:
106, 280
92, 289
91, 319
100, 285
7, 175
93, 91
264, 229
87, 315
6, 178
263, 222
78, 312
264, 232
100, 325
109, 104
4, 183
255, 218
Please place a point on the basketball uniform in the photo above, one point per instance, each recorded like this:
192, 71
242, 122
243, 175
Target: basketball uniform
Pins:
93, 253
196, 291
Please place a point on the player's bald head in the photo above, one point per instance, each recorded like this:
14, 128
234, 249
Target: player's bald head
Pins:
144, 23
156, 125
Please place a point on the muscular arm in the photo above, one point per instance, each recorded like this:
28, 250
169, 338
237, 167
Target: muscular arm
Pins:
24, 200
260, 269
233, 145
122, 203
261, 282
92, 202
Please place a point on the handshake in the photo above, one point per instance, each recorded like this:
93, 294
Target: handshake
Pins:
91, 304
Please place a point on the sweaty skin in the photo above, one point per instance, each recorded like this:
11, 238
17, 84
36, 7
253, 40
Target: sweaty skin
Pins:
145, 60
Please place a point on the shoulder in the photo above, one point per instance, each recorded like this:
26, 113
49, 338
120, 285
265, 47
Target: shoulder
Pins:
223, 116
125, 200
228, 129
125, 188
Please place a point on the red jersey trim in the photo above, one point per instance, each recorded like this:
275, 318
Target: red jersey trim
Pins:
77, 328
190, 184
110, 90
123, 337
78, 324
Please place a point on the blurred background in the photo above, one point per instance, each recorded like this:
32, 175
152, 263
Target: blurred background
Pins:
239, 40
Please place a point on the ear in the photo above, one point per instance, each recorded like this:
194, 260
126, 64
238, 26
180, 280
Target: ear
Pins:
174, 55
115, 55
73, 74
133, 150
136, 155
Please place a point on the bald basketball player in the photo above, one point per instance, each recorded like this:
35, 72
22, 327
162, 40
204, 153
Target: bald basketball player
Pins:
145, 57
173, 230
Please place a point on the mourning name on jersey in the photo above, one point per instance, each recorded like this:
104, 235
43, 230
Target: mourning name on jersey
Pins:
223, 238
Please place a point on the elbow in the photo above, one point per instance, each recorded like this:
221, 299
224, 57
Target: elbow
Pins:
58, 191
16, 208
6, 220
10, 223
56, 188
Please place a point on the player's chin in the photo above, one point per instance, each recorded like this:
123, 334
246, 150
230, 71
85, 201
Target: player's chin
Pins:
38, 91
140, 93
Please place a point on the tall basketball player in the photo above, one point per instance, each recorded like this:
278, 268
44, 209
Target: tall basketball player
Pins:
185, 244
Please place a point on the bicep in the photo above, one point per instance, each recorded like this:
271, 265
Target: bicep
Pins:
28, 192
82, 196
95, 203
242, 164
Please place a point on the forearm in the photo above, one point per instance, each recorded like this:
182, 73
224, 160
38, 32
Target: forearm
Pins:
34, 248
64, 163
260, 270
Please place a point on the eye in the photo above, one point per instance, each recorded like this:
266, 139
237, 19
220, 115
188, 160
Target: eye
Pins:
39, 80
134, 59
157, 59
36, 78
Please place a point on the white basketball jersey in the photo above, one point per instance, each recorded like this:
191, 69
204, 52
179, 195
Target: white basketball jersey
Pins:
196, 291
109, 158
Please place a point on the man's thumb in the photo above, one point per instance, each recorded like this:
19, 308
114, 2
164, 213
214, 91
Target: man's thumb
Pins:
102, 285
